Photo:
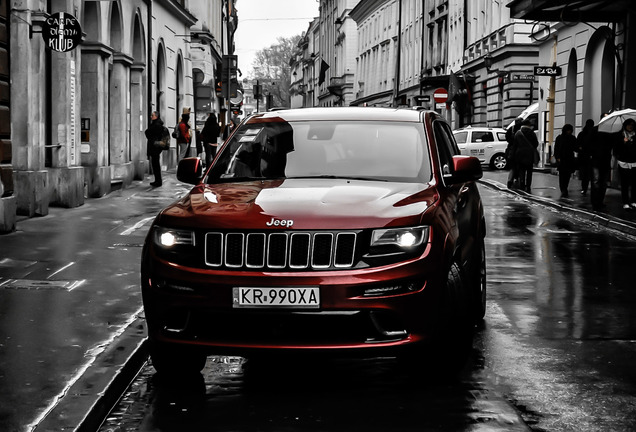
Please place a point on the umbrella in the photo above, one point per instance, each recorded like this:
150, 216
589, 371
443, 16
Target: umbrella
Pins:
614, 121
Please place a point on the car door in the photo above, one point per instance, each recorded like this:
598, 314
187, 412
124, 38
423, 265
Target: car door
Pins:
481, 145
460, 200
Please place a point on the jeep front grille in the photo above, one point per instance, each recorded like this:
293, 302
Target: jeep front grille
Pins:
280, 250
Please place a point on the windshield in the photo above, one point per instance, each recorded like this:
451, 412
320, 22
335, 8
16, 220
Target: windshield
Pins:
386, 151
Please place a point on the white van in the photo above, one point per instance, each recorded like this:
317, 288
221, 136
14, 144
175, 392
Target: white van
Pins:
486, 144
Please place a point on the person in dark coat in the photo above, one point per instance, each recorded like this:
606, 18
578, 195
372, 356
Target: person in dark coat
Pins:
209, 136
585, 142
513, 175
625, 154
154, 133
523, 152
565, 147
601, 165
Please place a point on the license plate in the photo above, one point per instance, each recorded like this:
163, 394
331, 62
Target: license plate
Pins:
288, 297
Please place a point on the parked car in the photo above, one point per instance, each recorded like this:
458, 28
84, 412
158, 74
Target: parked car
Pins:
486, 144
348, 231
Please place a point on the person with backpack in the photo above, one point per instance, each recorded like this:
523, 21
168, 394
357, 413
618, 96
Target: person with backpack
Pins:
183, 136
154, 133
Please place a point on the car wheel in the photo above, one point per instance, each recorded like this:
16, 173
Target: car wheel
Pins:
446, 356
478, 282
456, 340
172, 359
498, 161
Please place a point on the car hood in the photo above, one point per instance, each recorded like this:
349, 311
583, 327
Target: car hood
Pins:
301, 204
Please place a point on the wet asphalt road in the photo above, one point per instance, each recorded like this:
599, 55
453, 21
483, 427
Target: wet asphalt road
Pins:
557, 346
556, 353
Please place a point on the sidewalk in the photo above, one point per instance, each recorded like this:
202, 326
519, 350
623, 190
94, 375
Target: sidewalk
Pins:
72, 333
545, 190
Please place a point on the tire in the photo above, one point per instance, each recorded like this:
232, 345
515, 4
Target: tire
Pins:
444, 358
479, 282
170, 359
456, 340
498, 162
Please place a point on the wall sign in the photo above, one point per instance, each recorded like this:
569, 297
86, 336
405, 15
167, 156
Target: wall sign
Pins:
61, 32
547, 70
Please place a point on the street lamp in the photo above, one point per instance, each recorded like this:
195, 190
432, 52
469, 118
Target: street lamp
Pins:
488, 64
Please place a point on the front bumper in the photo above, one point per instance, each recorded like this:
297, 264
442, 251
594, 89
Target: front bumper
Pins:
357, 316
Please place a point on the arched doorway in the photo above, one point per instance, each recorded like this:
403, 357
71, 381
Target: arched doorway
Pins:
160, 86
571, 89
139, 116
179, 86
599, 80
94, 104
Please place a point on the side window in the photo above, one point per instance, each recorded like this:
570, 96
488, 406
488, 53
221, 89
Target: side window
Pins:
446, 146
483, 137
501, 136
460, 137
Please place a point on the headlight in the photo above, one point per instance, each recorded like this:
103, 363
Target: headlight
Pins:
167, 238
398, 240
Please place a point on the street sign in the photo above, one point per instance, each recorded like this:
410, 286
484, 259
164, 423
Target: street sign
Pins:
61, 32
547, 70
422, 98
440, 95
522, 77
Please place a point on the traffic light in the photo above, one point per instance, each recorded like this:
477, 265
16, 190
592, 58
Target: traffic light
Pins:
218, 81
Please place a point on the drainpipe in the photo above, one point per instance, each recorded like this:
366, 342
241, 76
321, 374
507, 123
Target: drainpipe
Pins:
550, 101
396, 86
149, 54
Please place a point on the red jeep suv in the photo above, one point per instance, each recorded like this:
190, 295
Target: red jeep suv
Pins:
348, 231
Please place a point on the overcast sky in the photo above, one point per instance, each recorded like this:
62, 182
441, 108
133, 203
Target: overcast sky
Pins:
261, 22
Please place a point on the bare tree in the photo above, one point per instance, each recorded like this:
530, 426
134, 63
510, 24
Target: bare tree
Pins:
271, 68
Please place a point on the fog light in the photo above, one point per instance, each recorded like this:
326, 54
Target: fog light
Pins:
391, 289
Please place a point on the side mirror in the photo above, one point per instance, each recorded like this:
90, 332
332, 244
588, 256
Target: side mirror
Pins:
190, 170
466, 168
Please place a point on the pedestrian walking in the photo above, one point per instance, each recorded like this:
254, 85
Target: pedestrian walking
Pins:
513, 174
603, 143
584, 142
524, 153
625, 153
154, 133
183, 135
565, 147
209, 137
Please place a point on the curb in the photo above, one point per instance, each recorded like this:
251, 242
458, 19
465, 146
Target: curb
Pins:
89, 400
600, 219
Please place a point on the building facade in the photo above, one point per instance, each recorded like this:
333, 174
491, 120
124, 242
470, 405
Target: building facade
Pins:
337, 46
83, 111
376, 56
594, 48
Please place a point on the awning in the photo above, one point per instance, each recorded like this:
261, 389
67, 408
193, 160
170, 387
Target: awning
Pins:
571, 10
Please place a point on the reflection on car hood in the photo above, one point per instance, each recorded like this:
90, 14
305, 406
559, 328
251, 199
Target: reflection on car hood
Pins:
309, 203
